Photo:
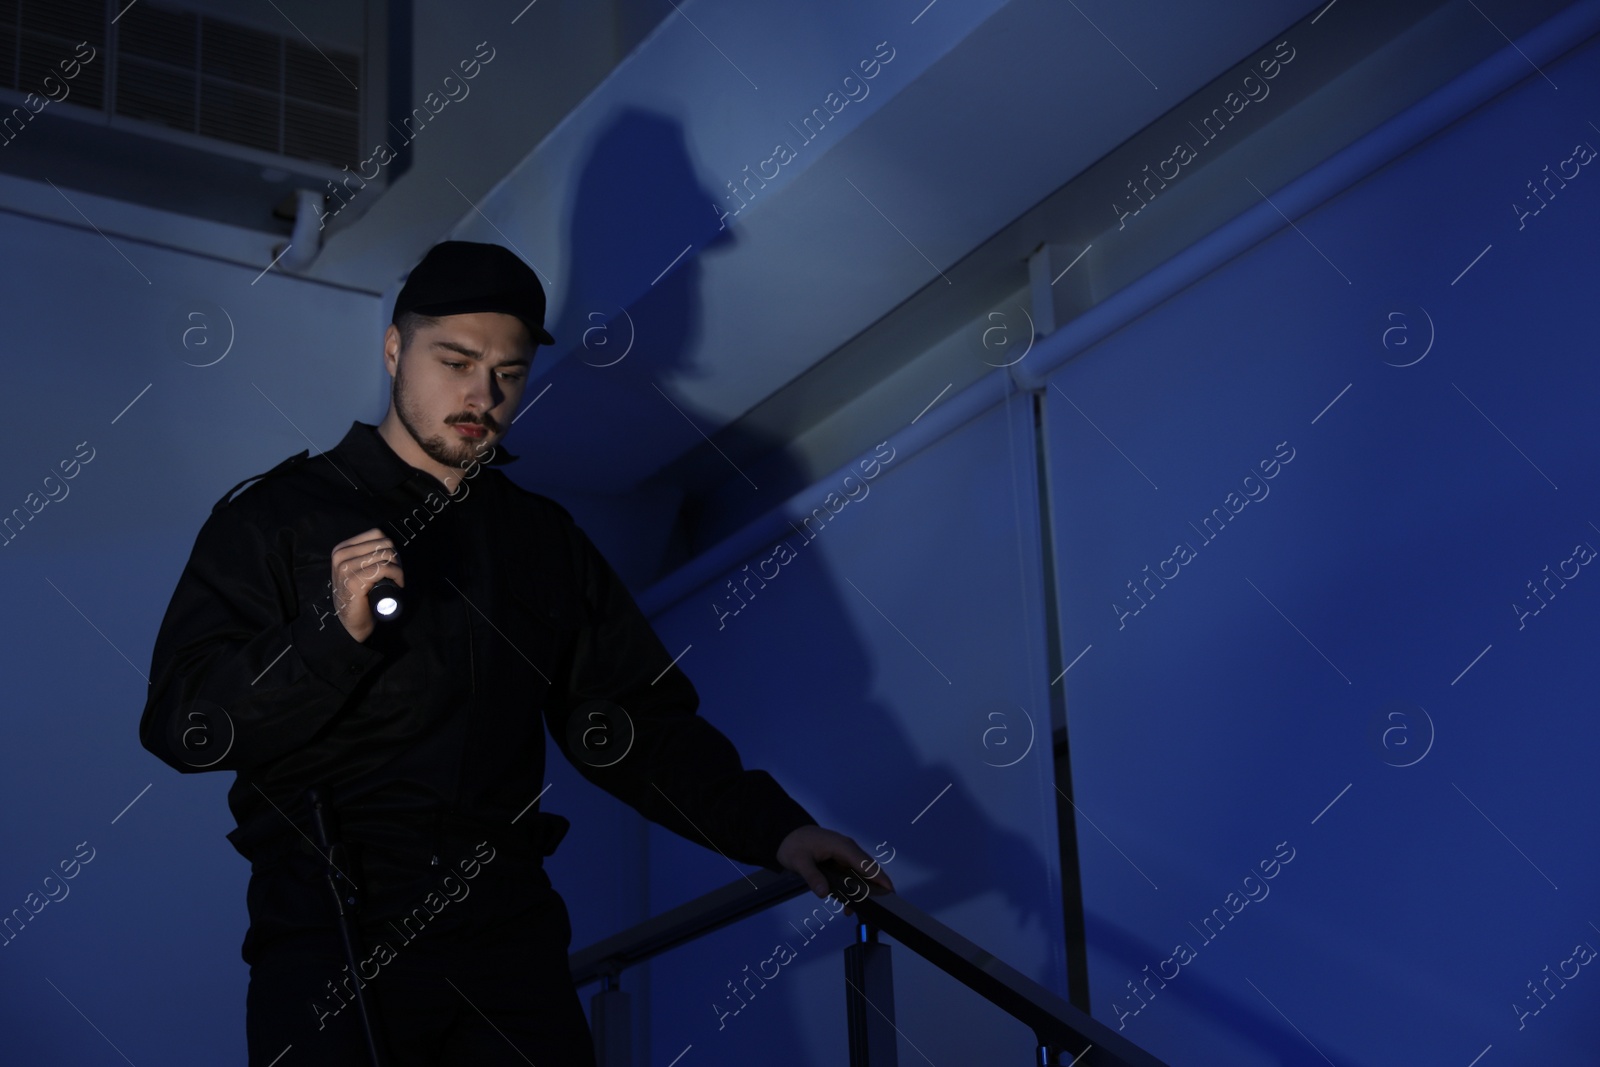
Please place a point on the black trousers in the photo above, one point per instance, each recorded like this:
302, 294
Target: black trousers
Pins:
455, 969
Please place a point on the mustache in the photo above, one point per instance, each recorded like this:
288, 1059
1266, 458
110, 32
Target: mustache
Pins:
487, 424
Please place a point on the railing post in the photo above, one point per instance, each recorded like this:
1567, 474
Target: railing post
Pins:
611, 1022
869, 1000
1054, 1056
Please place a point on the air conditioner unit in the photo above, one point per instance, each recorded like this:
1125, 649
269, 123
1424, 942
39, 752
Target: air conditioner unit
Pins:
217, 109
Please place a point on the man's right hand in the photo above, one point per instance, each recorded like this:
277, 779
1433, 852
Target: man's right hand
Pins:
358, 563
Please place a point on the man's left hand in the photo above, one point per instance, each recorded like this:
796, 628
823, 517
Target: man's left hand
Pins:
805, 846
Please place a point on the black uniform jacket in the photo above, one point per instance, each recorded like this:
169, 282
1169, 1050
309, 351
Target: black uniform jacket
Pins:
512, 622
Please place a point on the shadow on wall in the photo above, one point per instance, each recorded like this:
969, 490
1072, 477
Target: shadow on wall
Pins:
623, 330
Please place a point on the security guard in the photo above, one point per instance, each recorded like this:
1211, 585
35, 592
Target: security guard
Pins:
424, 732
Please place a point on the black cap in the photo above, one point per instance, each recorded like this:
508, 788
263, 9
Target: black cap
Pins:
459, 277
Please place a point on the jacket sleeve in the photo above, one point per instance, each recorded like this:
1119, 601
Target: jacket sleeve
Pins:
245, 668
627, 719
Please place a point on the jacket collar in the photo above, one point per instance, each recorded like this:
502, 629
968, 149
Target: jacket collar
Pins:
364, 453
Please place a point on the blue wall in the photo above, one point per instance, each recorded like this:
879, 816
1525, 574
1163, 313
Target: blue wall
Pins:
143, 939
1344, 673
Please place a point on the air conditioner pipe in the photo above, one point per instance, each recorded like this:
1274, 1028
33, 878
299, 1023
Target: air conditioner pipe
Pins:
306, 240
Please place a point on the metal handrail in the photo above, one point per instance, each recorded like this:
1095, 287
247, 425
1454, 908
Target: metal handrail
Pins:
661, 933
1056, 1023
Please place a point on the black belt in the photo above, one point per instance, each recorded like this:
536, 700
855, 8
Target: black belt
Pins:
424, 834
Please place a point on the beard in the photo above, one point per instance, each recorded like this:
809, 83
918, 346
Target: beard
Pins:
452, 451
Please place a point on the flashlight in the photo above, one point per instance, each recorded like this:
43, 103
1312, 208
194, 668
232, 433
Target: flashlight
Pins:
384, 599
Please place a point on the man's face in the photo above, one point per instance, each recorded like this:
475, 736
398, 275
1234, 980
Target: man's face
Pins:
463, 373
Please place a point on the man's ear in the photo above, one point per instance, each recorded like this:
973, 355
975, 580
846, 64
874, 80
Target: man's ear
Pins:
391, 349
